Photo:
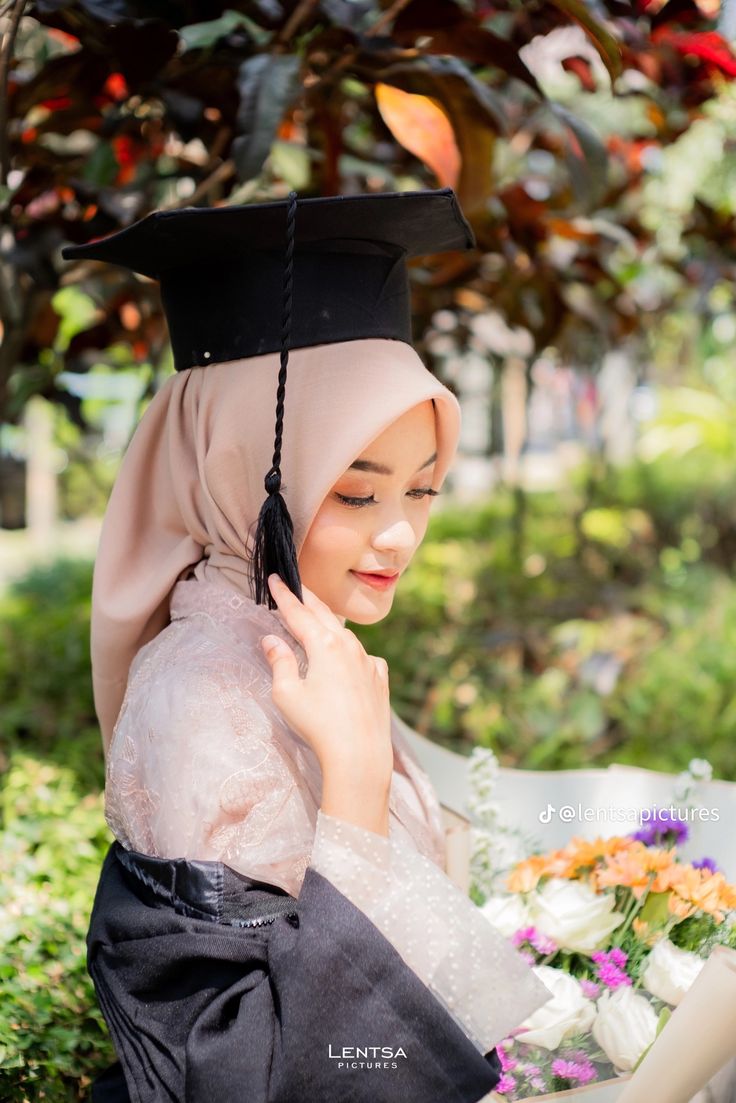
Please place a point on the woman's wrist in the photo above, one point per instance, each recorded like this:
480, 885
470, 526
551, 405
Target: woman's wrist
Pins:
357, 796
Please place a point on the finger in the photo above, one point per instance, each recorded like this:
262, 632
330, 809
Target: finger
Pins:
298, 617
381, 665
320, 609
282, 660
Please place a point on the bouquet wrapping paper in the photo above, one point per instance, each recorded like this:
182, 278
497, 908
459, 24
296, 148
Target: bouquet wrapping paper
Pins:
698, 1040
695, 1058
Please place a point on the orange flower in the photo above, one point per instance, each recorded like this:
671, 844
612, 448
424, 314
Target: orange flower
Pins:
704, 890
581, 853
525, 874
644, 932
632, 868
679, 907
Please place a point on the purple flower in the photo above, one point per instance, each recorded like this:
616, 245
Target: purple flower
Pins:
580, 1072
536, 1082
705, 863
505, 1084
618, 956
660, 825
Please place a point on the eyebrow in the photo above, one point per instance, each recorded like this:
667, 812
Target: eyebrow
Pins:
381, 469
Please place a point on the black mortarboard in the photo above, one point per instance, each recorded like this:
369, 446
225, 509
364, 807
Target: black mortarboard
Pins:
246, 280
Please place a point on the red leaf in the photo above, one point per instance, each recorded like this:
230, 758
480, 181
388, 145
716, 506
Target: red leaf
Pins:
580, 66
57, 104
709, 46
116, 86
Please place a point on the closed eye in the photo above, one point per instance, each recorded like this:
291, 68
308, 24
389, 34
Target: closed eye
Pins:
419, 493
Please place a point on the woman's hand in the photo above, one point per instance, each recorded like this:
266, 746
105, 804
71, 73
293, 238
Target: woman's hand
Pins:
342, 707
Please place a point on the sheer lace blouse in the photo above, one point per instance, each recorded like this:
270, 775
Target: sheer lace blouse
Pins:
203, 766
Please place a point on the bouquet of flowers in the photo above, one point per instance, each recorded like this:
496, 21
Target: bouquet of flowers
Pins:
617, 928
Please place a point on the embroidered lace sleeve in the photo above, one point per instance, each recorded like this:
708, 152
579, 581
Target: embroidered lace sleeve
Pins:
474, 970
196, 771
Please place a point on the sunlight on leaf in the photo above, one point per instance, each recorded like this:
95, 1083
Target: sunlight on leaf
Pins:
421, 126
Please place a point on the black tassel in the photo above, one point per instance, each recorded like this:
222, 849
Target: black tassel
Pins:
274, 545
274, 550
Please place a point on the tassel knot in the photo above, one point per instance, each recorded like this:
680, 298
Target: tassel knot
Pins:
272, 482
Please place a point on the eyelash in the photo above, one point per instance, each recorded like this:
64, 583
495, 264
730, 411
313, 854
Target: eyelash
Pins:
423, 491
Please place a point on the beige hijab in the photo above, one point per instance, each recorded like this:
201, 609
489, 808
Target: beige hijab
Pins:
190, 485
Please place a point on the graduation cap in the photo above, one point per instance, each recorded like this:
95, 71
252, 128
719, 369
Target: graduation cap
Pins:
246, 280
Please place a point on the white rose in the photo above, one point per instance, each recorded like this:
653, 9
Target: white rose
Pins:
669, 971
567, 1013
574, 914
624, 1026
508, 913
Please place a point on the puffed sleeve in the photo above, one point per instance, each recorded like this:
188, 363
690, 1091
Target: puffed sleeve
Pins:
196, 769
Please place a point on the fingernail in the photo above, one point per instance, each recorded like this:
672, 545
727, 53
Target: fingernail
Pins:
271, 578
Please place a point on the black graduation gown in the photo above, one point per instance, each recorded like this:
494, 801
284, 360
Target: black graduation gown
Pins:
218, 988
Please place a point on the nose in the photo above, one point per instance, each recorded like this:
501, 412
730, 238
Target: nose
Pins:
399, 535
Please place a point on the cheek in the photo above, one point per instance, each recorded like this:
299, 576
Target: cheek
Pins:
330, 537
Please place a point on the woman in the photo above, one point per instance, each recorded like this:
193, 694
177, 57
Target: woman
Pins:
273, 921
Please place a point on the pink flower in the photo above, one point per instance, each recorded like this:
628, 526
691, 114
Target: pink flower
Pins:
542, 944
590, 988
505, 1084
579, 1072
610, 967
524, 934
536, 1082
612, 976
507, 1063
535, 938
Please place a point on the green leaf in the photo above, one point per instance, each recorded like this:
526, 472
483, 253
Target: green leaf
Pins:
585, 155
655, 910
198, 36
77, 312
268, 84
292, 163
604, 42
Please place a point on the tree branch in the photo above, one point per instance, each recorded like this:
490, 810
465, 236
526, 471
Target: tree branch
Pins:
6, 54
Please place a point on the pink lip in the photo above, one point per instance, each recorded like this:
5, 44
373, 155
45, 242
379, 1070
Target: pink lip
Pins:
377, 581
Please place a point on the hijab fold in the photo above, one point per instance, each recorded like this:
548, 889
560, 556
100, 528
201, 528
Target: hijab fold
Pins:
191, 483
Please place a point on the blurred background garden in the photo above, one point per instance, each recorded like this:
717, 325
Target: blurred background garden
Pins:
573, 603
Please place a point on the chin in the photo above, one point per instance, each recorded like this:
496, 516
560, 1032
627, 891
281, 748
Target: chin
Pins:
365, 616
361, 610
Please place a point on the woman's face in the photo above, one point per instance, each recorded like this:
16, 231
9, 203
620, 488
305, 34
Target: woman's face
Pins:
384, 525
